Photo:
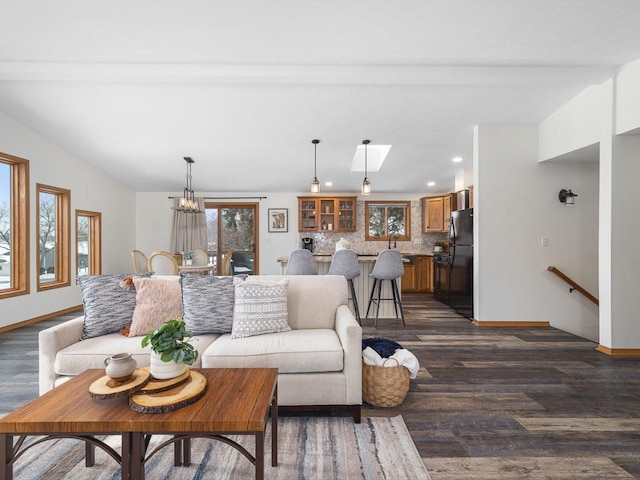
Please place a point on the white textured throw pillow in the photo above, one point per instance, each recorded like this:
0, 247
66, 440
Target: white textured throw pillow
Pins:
260, 308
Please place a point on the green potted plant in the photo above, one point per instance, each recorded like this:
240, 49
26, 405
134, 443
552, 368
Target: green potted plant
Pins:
187, 256
171, 351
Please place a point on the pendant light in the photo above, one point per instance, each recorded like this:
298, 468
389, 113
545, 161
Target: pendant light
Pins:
187, 202
366, 184
315, 184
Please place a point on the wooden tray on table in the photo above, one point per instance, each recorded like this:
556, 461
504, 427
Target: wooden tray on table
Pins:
177, 396
106, 387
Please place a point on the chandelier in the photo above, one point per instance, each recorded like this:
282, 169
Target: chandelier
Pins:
188, 203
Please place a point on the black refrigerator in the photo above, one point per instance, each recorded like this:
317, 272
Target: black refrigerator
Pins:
461, 262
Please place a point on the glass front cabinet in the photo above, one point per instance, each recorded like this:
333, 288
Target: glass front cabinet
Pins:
336, 214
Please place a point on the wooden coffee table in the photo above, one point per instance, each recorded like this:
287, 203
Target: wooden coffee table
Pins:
237, 402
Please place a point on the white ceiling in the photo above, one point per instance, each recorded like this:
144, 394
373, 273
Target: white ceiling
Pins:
244, 86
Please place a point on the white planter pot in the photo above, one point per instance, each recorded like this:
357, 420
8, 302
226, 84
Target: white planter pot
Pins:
164, 370
189, 262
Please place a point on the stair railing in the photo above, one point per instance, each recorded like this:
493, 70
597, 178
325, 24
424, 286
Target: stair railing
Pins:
574, 285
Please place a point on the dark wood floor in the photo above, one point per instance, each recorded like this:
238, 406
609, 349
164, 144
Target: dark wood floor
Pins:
488, 403
504, 403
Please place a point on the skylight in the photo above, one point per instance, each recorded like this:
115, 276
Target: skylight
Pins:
376, 155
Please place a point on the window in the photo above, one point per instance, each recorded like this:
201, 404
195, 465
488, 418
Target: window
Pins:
54, 232
387, 220
232, 236
88, 242
14, 226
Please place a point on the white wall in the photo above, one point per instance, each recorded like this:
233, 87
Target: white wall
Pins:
619, 324
154, 217
628, 98
51, 165
516, 200
573, 126
464, 179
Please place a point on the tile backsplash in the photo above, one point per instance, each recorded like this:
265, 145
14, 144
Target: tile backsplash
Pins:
325, 242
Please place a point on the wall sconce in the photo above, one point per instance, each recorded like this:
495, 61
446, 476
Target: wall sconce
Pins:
566, 197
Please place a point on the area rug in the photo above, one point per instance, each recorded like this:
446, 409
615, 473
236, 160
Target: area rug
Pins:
308, 448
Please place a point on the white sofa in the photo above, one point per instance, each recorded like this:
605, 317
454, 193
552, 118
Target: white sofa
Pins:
319, 360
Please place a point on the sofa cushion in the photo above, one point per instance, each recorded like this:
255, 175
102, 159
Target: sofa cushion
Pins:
92, 352
295, 351
207, 303
157, 300
108, 308
260, 308
312, 300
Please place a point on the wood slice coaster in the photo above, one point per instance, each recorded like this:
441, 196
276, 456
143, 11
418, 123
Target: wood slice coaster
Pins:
156, 385
180, 396
106, 387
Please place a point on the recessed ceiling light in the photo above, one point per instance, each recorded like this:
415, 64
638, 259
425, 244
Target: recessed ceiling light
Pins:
328, 184
456, 159
431, 184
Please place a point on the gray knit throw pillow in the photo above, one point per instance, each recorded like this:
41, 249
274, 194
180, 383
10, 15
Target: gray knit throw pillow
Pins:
207, 303
108, 308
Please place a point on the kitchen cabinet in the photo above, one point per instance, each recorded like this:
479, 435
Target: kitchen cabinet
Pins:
424, 273
441, 279
408, 281
471, 196
337, 214
418, 276
436, 213
448, 207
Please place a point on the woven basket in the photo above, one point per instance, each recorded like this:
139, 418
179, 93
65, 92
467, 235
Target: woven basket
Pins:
384, 386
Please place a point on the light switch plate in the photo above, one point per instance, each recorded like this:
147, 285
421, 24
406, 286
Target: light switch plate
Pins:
544, 242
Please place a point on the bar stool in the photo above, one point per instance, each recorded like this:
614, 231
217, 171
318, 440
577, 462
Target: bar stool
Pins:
301, 262
388, 266
345, 262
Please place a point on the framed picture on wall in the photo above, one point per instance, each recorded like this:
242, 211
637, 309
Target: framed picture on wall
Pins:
278, 220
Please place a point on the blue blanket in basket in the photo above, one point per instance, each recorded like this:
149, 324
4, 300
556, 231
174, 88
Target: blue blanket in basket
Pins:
383, 346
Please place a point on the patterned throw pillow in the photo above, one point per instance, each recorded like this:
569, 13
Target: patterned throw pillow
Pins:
260, 308
207, 303
108, 308
157, 300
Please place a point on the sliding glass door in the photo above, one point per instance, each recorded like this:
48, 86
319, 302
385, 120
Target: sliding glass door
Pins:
232, 237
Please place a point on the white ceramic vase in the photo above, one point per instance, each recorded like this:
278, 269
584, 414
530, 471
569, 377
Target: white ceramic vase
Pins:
120, 366
164, 370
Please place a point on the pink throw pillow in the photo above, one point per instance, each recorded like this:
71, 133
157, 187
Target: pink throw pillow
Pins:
157, 300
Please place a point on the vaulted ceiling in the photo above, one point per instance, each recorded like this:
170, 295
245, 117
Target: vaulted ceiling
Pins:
244, 86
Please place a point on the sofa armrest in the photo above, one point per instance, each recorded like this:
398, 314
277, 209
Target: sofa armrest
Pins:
350, 335
50, 342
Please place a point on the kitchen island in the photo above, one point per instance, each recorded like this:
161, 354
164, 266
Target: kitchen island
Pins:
362, 284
